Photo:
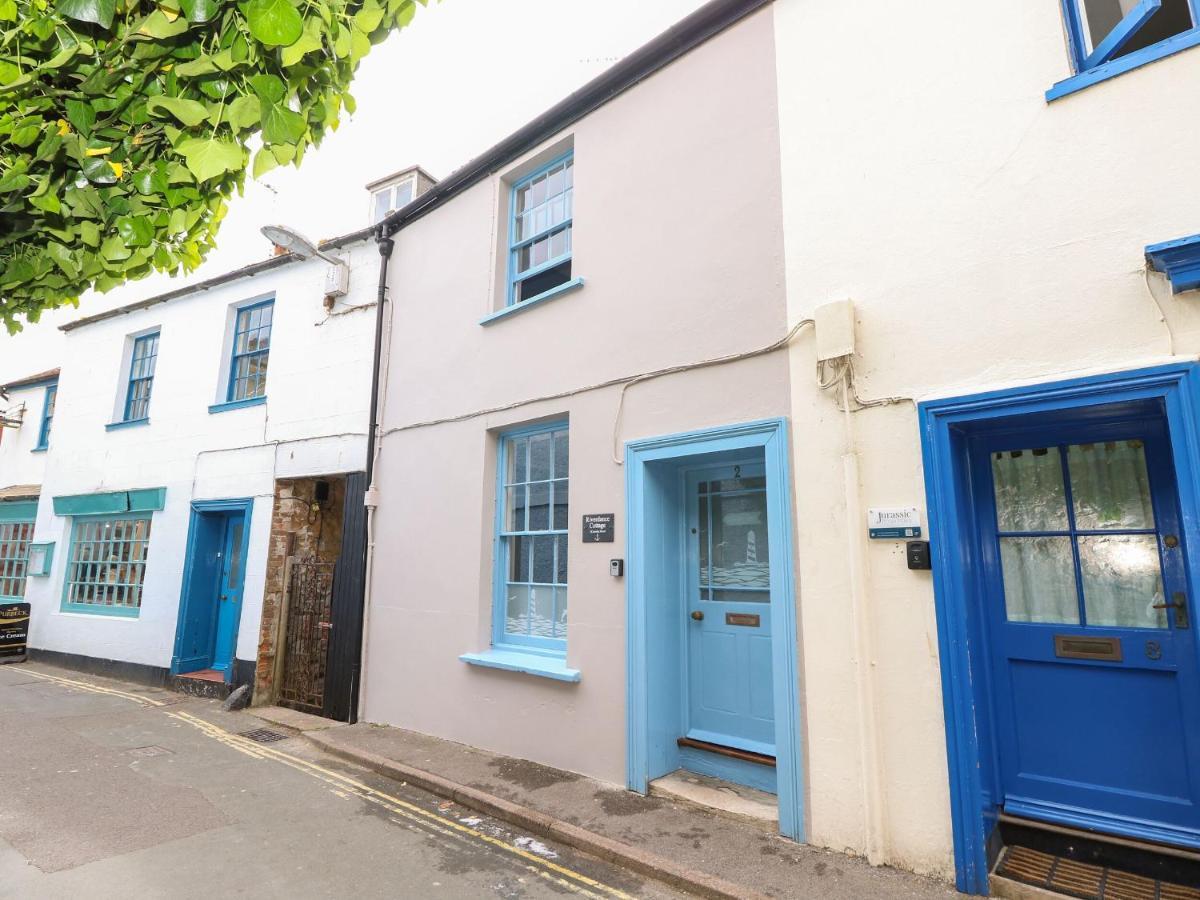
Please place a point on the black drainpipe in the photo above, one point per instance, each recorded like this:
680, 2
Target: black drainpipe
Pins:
386, 245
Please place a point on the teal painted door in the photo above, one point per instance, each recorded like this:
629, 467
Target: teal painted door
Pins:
229, 593
729, 673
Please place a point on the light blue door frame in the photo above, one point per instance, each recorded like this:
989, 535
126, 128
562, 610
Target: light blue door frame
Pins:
948, 426
214, 573
656, 608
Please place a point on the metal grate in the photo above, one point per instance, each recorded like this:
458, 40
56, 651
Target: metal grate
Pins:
263, 735
1088, 882
306, 635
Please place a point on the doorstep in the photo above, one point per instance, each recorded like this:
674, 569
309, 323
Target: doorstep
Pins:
670, 840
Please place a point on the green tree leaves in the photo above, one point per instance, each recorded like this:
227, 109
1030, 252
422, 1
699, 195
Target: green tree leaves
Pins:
275, 23
125, 126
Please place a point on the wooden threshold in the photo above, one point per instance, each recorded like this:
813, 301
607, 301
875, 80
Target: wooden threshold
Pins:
732, 752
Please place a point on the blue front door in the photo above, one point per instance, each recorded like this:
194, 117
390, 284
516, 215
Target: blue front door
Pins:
229, 593
1090, 626
212, 598
729, 694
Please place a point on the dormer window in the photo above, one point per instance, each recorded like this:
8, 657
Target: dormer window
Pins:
389, 199
397, 191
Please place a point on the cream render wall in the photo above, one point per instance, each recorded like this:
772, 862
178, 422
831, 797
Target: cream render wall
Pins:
678, 237
988, 239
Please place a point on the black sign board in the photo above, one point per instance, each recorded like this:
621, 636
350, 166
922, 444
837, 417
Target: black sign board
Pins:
14, 629
598, 528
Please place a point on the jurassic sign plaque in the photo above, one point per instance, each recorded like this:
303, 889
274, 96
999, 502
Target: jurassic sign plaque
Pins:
14, 631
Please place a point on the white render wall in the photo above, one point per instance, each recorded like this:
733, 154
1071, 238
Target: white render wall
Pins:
314, 422
20, 463
988, 239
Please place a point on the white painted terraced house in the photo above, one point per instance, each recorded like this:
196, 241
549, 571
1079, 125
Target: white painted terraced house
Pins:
202, 479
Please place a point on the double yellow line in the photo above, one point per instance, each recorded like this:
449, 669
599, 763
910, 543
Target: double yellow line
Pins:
547, 869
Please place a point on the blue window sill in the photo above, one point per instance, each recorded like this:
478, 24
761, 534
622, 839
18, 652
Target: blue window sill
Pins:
39, 449
530, 664
1120, 66
552, 294
128, 423
107, 612
237, 404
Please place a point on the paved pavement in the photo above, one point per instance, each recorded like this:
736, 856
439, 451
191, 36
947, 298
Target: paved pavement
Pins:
108, 790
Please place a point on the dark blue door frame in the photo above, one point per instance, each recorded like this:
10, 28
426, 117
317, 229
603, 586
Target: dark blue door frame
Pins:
946, 428
197, 604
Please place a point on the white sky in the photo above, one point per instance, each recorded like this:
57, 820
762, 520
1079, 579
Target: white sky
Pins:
462, 76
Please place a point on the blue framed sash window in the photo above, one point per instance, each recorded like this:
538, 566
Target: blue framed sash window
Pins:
540, 231
47, 417
1109, 37
106, 565
251, 349
141, 377
530, 605
14, 556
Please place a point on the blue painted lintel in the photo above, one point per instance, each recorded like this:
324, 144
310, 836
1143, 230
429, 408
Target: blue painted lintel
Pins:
129, 423
554, 293
530, 664
237, 404
1179, 260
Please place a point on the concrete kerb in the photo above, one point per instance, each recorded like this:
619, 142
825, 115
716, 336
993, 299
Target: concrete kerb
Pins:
540, 824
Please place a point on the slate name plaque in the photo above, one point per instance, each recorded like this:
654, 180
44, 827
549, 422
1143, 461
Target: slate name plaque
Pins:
598, 528
14, 628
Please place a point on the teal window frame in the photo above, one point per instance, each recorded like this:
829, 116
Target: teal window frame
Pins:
50, 400
245, 330
142, 363
124, 594
15, 537
519, 241
508, 538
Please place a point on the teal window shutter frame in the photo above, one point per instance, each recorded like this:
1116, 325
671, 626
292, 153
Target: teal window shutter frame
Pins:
18, 511
141, 500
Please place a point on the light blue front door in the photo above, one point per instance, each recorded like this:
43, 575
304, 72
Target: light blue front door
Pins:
729, 668
229, 593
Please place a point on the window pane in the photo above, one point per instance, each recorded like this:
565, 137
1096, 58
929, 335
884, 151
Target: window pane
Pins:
560, 612
543, 559
1029, 490
728, 596
1122, 581
1102, 16
515, 505
516, 610
381, 204
519, 549
561, 454
539, 457
1039, 579
560, 561
404, 194
518, 453
739, 540
539, 506
561, 493
541, 619
105, 565
1109, 486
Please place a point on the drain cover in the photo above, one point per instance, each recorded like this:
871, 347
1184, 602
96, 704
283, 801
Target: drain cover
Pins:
1086, 881
263, 735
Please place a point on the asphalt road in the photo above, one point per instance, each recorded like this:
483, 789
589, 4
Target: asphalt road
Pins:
108, 790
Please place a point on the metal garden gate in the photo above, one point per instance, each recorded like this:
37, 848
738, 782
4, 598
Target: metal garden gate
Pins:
307, 614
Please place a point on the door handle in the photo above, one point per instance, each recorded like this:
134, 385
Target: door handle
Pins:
698, 615
328, 626
224, 598
1179, 604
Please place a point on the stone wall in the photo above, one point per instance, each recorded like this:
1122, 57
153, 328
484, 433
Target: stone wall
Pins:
297, 529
